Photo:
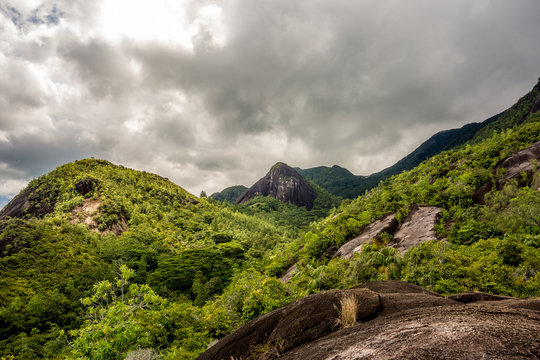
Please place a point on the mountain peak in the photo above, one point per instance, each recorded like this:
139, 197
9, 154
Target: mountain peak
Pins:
278, 165
283, 183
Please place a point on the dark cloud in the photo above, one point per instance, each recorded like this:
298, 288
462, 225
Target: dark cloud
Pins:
359, 84
103, 67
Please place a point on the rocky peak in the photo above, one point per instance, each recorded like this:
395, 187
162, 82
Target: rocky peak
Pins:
283, 183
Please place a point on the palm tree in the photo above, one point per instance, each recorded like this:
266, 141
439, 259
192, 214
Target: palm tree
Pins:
386, 260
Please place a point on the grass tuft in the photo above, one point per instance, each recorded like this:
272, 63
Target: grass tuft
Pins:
347, 311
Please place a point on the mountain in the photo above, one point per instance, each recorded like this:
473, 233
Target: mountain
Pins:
229, 194
337, 180
73, 227
519, 113
341, 182
283, 183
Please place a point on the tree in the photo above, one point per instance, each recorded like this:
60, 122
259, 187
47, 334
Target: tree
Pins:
121, 317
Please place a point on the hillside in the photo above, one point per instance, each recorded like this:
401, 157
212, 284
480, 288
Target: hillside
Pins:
73, 227
343, 183
337, 180
492, 246
229, 194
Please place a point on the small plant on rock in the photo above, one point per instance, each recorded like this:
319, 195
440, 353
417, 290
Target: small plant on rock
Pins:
348, 308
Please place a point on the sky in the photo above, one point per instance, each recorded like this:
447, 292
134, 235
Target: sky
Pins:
212, 93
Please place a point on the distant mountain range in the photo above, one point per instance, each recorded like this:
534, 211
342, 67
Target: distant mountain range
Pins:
341, 182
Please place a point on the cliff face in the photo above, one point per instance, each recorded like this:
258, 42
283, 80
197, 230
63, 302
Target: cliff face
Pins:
283, 183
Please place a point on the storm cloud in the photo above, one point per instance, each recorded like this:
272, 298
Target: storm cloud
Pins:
212, 93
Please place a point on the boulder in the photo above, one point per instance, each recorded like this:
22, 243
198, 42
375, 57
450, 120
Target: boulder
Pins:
476, 331
398, 321
302, 321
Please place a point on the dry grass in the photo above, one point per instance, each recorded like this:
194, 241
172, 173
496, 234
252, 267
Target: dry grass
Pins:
347, 311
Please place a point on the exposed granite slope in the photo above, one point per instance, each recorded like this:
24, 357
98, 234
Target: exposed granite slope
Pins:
397, 321
387, 224
417, 228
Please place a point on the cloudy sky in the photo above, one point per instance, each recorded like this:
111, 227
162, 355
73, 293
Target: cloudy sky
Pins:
212, 93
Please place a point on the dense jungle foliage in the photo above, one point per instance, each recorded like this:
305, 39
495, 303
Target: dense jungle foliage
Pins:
112, 263
229, 194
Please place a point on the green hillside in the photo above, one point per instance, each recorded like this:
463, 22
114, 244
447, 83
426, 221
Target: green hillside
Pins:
229, 194
492, 247
343, 183
55, 250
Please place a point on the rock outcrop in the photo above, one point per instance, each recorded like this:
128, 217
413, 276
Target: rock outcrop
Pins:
417, 228
300, 322
30, 203
283, 183
289, 274
397, 320
85, 215
387, 224
522, 162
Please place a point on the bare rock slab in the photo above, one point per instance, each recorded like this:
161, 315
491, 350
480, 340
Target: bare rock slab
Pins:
419, 227
299, 322
387, 224
399, 321
289, 274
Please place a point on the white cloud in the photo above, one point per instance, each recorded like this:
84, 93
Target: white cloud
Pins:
212, 93
11, 187
146, 21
